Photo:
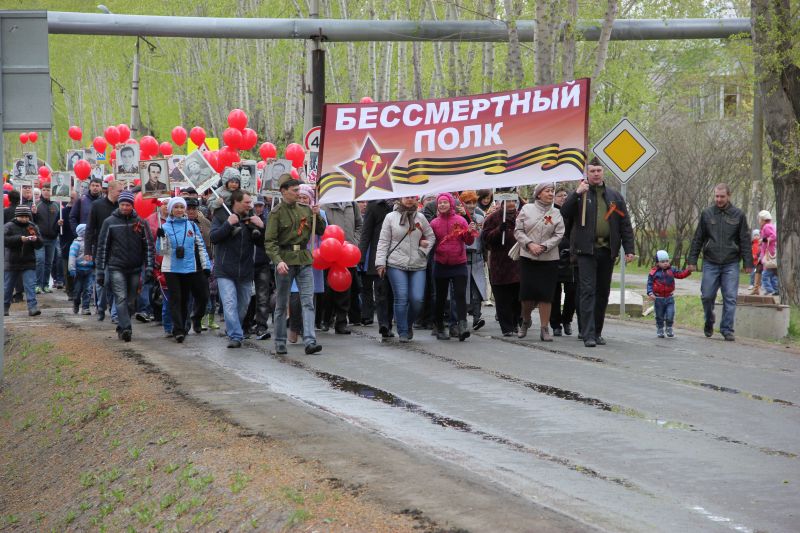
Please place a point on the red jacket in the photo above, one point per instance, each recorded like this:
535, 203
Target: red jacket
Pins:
661, 282
452, 234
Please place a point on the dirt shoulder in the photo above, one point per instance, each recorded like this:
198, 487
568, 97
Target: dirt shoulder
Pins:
89, 440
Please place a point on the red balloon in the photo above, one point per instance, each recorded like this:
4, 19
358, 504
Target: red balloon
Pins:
8, 187
294, 174
339, 278
137, 181
82, 169
319, 263
213, 160
232, 138
197, 135
350, 255
112, 156
144, 206
261, 164
23, 138
6, 201
148, 145
131, 141
249, 139
330, 249
45, 172
124, 132
295, 153
228, 156
112, 135
237, 119
165, 148
366, 100
179, 135
33, 136
267, 151
100, 145
75, 133
332, 231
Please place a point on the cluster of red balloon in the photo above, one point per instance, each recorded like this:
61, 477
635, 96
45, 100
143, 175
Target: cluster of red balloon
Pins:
336, 256
75, 133
30, 136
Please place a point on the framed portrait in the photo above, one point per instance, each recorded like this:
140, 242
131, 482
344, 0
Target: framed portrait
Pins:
97, 172
198, 172
273, 171
73, 156
176, 178
80, 187
127, 165
31, 164
26, 181
154, 178
19, 169
60, 186
90, 155
248, 177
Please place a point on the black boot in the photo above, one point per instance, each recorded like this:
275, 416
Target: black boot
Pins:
463, 330
440, 333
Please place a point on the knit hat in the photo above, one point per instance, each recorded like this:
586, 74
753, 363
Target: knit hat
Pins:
468, 196
540, 187
449, 198
662, 255
764, 215
756, 233
173, 202
80, 230
309, 191
22, 211
125, 196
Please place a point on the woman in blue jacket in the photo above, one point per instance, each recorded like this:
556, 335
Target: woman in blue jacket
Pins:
185, 266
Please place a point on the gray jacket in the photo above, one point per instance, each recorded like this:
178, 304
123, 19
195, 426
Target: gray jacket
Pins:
539, 225
723, 236
399, 248
347, 216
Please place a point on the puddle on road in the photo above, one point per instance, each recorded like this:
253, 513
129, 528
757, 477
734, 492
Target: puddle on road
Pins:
730, 390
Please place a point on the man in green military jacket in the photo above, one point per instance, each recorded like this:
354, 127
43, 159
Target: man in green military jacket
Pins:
286, 243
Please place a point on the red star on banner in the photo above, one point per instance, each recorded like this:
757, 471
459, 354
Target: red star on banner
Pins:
372, 168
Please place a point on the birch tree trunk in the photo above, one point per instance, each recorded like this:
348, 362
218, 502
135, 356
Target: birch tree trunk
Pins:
568, 49
514, 62
487, 67
602, 45
416, 58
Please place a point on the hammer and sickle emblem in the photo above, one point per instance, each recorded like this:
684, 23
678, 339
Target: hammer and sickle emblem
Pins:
370, 176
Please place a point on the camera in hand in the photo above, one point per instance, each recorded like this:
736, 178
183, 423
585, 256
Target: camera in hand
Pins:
180, 251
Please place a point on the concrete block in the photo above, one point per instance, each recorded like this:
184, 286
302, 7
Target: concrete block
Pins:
633, 303
769, 321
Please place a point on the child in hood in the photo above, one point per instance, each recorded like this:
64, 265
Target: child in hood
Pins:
81, 270
660, 286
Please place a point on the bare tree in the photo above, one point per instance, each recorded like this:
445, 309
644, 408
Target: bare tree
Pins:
514, 70
602, 45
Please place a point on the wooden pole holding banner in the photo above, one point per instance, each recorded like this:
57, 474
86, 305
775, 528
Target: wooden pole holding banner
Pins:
503, 237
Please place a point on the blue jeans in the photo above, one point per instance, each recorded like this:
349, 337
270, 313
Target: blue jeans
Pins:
769, 281
124, 286
303, 275
235, 297
104, 298
166, 318
715, 277
28, 283
81, 292
665, 311
143, 302
44, 262
408, 287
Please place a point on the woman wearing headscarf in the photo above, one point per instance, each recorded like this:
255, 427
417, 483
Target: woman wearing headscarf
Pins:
538, 230
402, 255
453, 234
185, 266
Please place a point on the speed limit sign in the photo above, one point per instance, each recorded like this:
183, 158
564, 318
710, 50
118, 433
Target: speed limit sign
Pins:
312, 139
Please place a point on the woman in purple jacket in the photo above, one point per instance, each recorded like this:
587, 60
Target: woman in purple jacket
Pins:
453, 234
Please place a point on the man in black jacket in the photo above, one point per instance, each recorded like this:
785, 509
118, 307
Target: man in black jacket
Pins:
724, 238
48, 220
21, 239
101, 209
376, 292
600, 223
125, 247
235, 237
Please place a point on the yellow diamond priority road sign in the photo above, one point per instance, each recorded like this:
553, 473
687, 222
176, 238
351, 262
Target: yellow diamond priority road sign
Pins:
624, 150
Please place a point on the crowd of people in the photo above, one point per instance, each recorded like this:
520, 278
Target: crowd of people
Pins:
249, 260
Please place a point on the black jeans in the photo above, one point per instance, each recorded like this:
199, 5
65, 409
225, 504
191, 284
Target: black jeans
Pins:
459, 295
265, 284
507, 306
594, 286
124, 287
563, 315
337, 304
378, 298
180, 286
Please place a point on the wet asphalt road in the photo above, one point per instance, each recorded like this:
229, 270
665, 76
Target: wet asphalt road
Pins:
644, 434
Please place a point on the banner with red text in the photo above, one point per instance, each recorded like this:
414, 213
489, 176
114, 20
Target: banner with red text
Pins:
392, 149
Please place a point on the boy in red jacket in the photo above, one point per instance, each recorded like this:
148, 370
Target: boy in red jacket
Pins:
660, 286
